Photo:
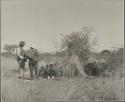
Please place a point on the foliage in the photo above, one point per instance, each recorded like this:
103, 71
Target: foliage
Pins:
104, 54
113, 65
10, 48
9, 55
78, 43
115, 61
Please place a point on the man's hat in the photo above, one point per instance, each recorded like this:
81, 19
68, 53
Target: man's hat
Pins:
32, 46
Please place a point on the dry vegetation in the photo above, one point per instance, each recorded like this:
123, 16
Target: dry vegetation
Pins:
75, 84
76, 88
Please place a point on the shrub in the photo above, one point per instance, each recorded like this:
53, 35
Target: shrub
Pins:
113, 65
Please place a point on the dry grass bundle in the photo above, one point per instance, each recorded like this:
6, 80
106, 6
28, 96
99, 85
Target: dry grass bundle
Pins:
72, 67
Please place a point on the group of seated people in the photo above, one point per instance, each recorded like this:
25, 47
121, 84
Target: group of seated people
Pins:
47, 72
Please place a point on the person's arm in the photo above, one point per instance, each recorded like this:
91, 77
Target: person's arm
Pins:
18, 53
36, 55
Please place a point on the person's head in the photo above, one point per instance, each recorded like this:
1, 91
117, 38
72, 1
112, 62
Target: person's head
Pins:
32, 46
51, 66
22, 44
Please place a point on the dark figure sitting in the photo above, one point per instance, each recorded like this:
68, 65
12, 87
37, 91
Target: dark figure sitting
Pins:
91, 69
41, 71
46, 72
52, 72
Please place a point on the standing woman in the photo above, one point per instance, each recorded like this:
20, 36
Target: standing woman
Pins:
21, 58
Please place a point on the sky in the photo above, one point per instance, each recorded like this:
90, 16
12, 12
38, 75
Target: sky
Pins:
40, 22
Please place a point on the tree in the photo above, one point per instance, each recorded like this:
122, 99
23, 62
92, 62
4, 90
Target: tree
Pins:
79, 43
10, 48
105, 54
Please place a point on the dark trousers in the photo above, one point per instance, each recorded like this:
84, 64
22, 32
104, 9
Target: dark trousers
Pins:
33, 67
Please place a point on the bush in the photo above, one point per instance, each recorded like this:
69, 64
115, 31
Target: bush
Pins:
79, 43
91, 69
113, 65
7, 54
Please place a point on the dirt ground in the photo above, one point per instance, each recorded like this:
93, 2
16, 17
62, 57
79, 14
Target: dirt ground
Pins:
58, 89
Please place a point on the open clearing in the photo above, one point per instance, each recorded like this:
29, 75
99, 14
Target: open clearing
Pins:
59, 89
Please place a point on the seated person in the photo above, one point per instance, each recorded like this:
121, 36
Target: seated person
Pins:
41, 71
46, 72
52, 72
60, 71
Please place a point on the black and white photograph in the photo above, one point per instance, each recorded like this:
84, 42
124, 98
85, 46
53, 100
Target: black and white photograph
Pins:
62, 50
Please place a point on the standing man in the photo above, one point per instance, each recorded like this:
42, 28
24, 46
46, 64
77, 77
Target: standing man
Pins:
32, 55
21, 58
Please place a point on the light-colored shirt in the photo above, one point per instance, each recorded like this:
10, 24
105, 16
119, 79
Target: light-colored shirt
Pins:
18, 52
